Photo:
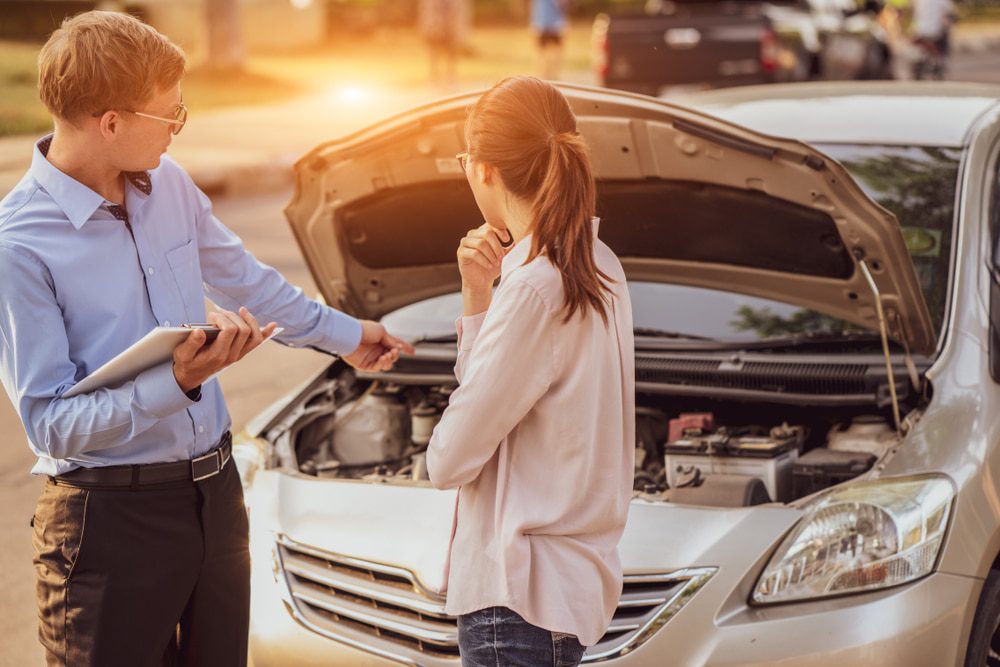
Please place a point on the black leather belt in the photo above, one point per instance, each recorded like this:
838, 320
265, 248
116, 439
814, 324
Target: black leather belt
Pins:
193, 470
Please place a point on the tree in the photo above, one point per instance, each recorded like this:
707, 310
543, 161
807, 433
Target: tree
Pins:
225, 35
767, 324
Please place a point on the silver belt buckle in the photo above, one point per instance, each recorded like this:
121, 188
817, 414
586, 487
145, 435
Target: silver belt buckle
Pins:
217, 455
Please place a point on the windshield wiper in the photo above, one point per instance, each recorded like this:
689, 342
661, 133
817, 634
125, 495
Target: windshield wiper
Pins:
663, 333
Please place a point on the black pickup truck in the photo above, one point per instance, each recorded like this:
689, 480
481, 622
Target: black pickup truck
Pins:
685, 44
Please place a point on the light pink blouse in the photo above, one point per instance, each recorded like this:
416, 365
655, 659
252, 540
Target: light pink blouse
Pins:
540, 438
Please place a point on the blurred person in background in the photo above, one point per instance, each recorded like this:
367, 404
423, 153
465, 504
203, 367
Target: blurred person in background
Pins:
548, 18
919, 36
442, 26
931, 32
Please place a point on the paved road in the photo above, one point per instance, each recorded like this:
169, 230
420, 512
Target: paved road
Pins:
249, 387
980, 67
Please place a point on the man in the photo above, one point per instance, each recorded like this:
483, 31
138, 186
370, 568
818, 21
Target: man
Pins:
548, 18
441, 26
919, 34
140, 534
932, 21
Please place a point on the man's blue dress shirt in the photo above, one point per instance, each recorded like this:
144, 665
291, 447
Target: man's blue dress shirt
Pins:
76, 290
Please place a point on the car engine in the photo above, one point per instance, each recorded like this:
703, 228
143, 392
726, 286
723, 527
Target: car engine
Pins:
688, 451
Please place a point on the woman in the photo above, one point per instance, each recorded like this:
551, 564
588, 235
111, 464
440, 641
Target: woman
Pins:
441, 25
548, 18
539, 435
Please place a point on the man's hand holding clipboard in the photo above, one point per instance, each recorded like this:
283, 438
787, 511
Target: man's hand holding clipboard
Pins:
200, 351
197, 359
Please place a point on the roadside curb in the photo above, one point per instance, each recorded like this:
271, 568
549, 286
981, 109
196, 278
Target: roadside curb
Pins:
249, 178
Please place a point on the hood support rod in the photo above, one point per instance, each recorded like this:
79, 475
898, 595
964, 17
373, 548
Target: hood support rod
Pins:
883, 328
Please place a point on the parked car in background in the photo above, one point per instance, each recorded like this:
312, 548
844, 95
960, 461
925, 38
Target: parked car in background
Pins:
818, 384
686, 44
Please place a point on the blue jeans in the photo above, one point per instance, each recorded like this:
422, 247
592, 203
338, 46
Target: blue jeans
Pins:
499, 637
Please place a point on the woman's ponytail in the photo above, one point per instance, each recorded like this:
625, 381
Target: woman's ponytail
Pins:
524, 127
563, 229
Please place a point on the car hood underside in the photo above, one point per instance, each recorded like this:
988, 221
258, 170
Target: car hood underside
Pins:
684, 198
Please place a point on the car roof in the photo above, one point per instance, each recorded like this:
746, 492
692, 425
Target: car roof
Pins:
876, 112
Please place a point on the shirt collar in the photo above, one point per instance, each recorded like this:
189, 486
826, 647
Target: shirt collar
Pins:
519, 253
75, 199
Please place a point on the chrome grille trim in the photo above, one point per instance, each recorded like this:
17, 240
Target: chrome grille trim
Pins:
618, 627
359, 564
440, 634
691, 581
384, 594
639, 600
348, 599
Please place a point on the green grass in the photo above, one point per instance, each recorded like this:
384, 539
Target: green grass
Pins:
981, 13
20, 110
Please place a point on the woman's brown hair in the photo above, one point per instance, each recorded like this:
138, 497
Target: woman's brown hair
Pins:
525, 129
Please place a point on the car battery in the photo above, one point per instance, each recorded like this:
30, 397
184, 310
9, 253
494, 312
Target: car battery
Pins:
767, 458
822, 468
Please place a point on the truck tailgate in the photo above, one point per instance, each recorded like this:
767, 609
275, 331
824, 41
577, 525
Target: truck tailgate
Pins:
713, 43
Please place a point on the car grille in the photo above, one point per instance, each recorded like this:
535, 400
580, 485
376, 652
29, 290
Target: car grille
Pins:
342, 597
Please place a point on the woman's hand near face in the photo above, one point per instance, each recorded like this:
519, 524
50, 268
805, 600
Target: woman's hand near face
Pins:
479, 257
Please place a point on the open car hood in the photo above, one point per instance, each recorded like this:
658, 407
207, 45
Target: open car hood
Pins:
684, 198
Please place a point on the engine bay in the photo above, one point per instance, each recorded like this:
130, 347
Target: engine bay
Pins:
689, 450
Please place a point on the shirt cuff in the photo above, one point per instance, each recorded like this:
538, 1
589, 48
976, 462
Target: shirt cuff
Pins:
468, 328
157, 391
346, 332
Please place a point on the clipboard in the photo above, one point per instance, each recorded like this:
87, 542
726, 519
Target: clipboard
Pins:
153, 349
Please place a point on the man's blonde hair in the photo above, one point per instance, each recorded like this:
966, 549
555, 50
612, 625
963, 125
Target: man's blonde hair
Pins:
98, 61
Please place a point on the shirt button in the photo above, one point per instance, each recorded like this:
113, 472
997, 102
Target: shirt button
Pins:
150, 270
166, 323
201, 429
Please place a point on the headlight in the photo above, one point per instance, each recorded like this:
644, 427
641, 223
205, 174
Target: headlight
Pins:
861, 537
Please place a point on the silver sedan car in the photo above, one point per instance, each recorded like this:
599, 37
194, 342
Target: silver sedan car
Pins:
818, 384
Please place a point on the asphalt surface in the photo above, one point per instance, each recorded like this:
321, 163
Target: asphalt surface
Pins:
978, 67
249, 386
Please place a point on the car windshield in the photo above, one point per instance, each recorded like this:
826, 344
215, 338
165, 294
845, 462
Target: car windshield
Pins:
917, 184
